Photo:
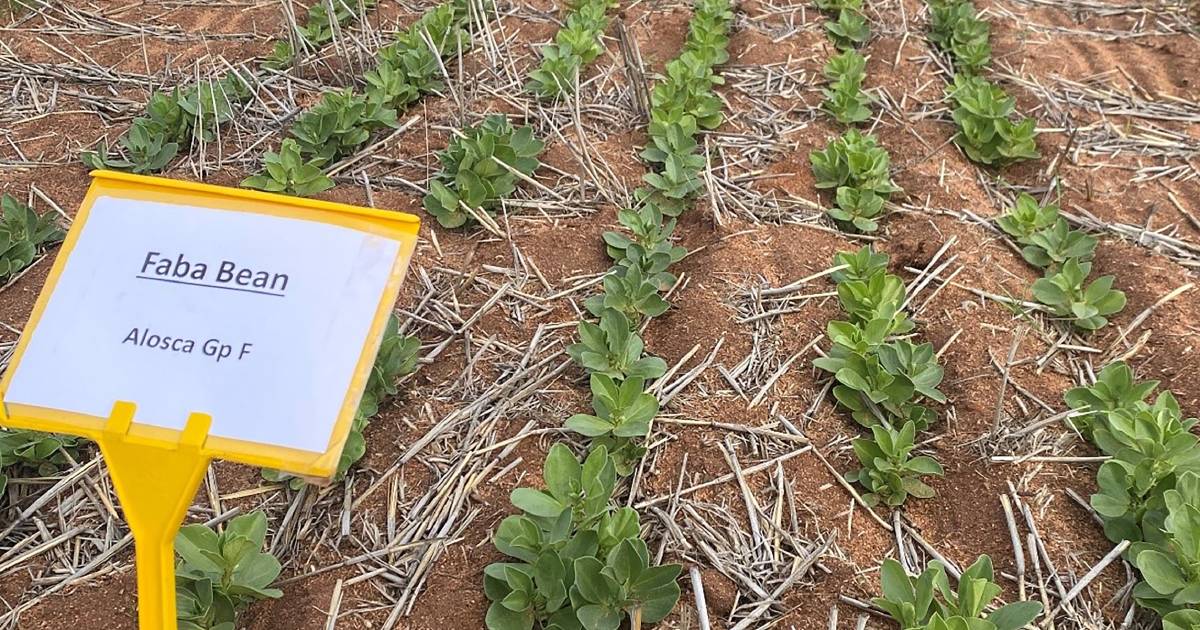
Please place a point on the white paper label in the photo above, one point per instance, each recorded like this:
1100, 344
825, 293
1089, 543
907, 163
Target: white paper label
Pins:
256, 320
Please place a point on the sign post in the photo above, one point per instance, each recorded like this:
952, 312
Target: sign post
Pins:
184, 322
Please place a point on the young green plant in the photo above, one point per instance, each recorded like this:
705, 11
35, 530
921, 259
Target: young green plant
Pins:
844, 98
1115, 389
580, 561
849, 30
881, 379
23, 233
43, 454
575, 45
889, 471
220, 574
1149, 489
1064, 254
927, 602
986, 132
612, 349
480, 168
288, 173
859, 172
955, 28
175, 120
326, 19
1086, 306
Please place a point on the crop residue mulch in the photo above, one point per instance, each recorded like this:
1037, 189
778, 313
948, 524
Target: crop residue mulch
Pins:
1116, 95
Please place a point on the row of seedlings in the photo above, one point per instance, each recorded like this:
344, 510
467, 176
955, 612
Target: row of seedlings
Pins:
879, 379
576, 45
853, 164
189, 116
844, 97
1149, 488
182, 117
219, 574
1064, 254
343, 121
580, 560
883, 379
337, 126
986, 133
682, 103
983, 111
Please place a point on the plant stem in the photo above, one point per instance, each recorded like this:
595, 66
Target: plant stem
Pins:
635, 619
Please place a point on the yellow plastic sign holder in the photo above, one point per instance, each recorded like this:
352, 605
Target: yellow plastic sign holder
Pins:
155, 504
157, 471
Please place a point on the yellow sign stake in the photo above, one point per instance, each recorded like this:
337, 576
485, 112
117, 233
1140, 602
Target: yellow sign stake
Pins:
255, 316
154, 504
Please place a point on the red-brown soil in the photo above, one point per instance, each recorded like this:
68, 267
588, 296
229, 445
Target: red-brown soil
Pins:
1035, 44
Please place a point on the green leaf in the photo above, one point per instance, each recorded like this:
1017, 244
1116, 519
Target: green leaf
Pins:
562, 472
536, 502
199, 547
590, 426
925, 466
256, 572
1015, 615
1182, 620
593, 585
597, 617
896, 584
501, 618
1160, 572
657, 603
